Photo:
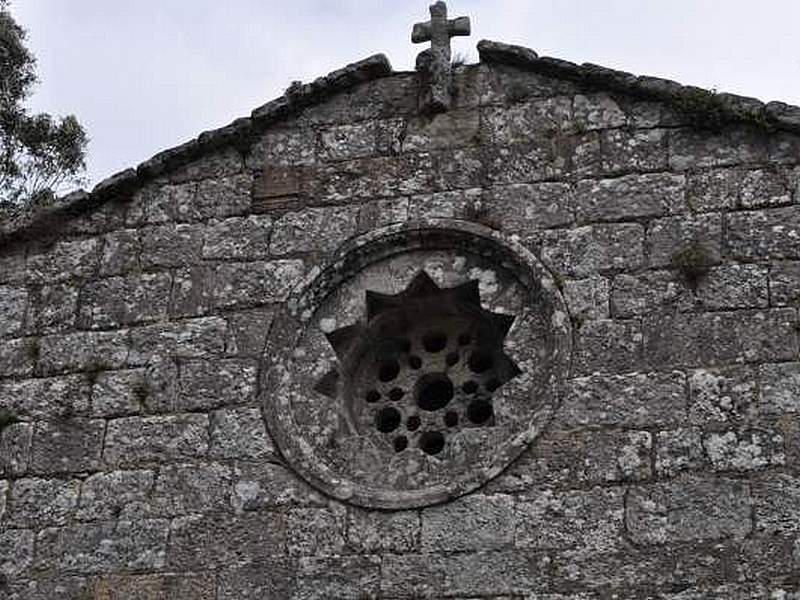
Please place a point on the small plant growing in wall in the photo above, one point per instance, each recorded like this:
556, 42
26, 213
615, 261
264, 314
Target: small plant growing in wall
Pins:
693, 262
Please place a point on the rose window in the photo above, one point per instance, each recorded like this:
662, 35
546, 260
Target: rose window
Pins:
423, 365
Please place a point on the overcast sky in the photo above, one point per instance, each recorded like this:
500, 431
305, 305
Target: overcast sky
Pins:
145, 75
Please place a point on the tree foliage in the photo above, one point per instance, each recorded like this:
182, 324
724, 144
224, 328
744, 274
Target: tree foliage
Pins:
39, 154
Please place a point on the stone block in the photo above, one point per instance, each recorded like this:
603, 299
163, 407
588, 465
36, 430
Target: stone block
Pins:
244, 285
530, 162
211, 541
247, 332
630, 197
238, 238
141, 440
211, 165
18, 357
53, 308
646, 293
106, 496
276, 185
725, 395
688, 509
784, 283
270, 578
668, 237
120, 393
449, 205
626, 151
597, 111
679, 450
182, 489
526, 121
746, 450
579, 458
780, 389
158, 203
284, 148
194, 338
16, 551
47, 398
67, 446
338, 577
377, 532
594, 249
361, 140
523, 209
313, 230
713, 190
587, 299
239, 433
764, 188
694, 149
103, 547
263, 485
476, 522
636, 400
122, 301
13, 305
218, 198
716, 339
459, 169
65, 260
120, 254
83, 351
15, 448
591, 520
171, 246
38, 503
452, 129
735, 286
12, 264
607, 346
380, 213
208, 384
197, 586
316, 531
765, 234
776, 498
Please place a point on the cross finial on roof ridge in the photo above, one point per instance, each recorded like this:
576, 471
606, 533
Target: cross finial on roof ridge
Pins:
435, 62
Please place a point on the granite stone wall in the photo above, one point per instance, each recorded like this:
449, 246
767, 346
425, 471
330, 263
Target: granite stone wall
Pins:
134, 458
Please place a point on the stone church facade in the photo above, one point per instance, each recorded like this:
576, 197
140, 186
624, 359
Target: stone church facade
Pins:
537, 341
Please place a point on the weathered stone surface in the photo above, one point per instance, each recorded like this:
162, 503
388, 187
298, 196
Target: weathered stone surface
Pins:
67, 446
780, 388
764, 188
138, 440
193, 338
372, 532
471, 523
18, 357
733, 286
239, 433
243, 238
579, 458
598, 111
776, 498
457, 205
273, 578
15, 448
171, 245
48, 398
452, 129
287, 147
13, 304
720, 338
722, 395
746, 450
590, 520
765, 234
713, 190
121, 301
157, 204
264, 485
53, 308
210, 384
189, 488
105, 496
37, 503
525, 208
66, 260
207, 541
645, 293
16, 551
360, 140
607, 346
627, 150
630, 197
3, 494
103, 547
120, 393
338, 577
247, 332
587, 298
687, 510
596, 249
313, 230
197, 586
784, 283
527, 121
668, 237
679, 450
218, 198
316, 531
83, 351
691, 149
637, 400
121, 251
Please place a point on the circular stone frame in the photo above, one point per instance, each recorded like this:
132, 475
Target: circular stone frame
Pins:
296, 416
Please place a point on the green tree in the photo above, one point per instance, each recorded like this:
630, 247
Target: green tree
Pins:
39, 154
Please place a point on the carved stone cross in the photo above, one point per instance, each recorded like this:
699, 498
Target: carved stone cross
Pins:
435, 63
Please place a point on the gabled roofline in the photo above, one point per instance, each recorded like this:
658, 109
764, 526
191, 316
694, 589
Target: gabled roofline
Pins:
775, 115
